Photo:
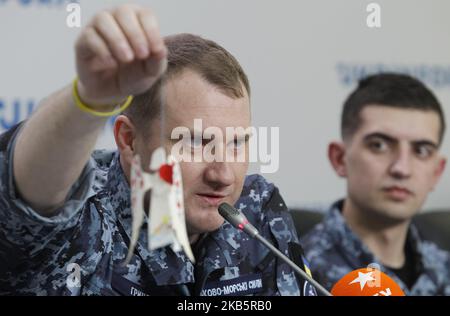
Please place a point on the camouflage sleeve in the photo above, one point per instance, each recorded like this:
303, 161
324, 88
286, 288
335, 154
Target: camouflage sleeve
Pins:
281, 222
262, 203
446, 289
275, 223
283, 229
20, 226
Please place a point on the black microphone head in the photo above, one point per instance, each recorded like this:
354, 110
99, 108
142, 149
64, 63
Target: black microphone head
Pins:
236, 218
231, 214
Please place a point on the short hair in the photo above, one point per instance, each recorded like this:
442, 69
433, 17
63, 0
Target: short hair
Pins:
391, 90
187, 51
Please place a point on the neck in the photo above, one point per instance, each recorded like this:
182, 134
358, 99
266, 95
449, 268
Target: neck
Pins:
193, 238
386, 240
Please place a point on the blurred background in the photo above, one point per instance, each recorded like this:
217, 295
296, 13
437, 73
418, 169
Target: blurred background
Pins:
303, 57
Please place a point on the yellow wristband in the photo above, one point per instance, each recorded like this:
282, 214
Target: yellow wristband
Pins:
89, 110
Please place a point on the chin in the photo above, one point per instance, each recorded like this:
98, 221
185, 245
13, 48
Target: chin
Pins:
396, 212
205, 224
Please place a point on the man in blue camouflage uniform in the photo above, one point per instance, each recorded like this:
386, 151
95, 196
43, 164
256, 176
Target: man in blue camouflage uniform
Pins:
392, 127
77, 245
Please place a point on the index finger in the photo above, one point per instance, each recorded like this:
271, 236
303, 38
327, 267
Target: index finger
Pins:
151, 28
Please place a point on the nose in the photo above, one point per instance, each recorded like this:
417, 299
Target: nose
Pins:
219, 174
401, 167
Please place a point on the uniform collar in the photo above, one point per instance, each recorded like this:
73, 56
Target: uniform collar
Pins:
358, 254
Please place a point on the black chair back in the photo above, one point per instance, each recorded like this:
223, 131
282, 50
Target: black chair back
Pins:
433, 226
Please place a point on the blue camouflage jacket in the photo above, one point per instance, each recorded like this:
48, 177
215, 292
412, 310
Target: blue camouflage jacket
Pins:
333, 250
81, 250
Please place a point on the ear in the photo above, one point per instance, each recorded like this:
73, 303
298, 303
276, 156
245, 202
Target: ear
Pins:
439, 171
125, 136
336, 153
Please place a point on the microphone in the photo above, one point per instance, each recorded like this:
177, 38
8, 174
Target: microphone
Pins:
366, 282
239, 221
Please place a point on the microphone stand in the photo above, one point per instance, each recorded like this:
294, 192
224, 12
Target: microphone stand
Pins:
239, 221
302, 273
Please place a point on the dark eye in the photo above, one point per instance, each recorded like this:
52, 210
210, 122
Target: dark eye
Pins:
423, 151
196, 142
238, 143
378, 145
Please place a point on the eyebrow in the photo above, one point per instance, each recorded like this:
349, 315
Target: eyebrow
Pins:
391, 139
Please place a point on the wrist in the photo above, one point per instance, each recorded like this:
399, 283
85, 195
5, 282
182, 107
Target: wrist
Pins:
94, 103
96, 107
